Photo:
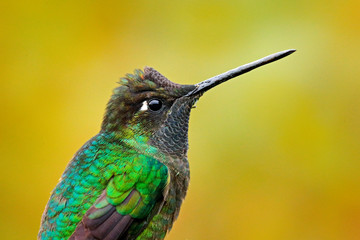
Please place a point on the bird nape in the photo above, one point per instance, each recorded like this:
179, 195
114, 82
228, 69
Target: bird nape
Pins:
128, 181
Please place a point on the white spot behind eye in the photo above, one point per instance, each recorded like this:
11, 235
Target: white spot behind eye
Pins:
145, 106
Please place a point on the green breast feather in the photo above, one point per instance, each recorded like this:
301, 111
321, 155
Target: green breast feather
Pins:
132, 184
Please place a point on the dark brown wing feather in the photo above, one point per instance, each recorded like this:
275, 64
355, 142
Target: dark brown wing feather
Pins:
110, 225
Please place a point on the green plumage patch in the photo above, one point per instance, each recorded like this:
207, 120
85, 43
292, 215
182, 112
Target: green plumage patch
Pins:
136, 190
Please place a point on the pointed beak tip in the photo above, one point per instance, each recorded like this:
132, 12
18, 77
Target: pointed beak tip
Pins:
290, 51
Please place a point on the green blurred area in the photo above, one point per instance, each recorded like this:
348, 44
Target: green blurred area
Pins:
274, 154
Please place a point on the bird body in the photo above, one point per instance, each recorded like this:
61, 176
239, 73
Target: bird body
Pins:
129, 181
106, 163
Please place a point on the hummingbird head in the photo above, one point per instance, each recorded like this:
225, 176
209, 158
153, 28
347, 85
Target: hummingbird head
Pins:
147, 104
142, 102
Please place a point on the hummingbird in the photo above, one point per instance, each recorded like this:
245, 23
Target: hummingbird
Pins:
129, 181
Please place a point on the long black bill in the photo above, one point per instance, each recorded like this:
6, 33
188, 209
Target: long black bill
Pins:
214, 81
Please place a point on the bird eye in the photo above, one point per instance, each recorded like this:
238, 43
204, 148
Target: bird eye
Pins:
155, 104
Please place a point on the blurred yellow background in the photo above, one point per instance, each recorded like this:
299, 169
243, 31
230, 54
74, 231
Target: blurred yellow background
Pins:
274, 154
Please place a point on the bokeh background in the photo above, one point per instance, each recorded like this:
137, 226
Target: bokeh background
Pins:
274, 154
